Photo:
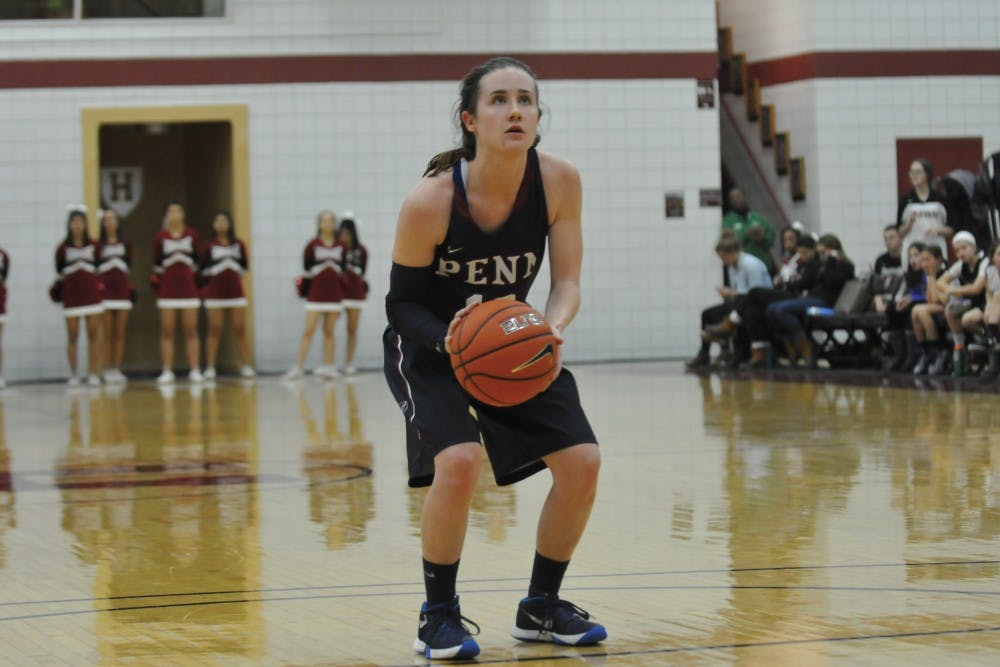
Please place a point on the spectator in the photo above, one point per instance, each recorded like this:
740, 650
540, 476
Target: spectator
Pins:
964, 283
921, 215
749, 315
744, 272
891, 259
924, 327
752, 229
789, 256
991, 314
786, 318
899, 310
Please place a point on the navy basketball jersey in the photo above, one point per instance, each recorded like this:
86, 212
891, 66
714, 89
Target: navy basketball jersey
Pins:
500, 263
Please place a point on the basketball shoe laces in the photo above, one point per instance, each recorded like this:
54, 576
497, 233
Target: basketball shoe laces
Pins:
452, 617
552, 614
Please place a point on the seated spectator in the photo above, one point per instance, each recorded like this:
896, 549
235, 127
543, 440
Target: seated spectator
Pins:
964, 283
789, 256
743, 273
891, 259
898, 312
754, 232
748, 316
921, 215
787, 318
991, 315
924, 327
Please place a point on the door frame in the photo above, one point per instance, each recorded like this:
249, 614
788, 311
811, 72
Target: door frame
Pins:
235, 114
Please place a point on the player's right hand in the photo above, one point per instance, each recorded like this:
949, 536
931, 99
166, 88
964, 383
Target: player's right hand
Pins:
459, 316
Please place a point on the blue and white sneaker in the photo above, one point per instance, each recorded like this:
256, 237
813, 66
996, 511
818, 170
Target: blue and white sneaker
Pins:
549, 619
441, 634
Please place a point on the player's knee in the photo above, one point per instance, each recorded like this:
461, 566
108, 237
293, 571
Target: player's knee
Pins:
578, 474
458, 468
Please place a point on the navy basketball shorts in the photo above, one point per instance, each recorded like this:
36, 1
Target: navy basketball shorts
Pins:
439, 414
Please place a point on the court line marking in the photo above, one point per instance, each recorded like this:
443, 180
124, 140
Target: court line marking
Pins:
517, 591
657, 573
722, 647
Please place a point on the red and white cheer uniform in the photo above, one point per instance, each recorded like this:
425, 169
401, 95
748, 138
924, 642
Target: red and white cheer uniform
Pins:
81, 288
174, 264
324, 265
113, 263
223, 266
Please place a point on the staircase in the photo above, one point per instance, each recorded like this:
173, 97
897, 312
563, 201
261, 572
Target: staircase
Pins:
754, 151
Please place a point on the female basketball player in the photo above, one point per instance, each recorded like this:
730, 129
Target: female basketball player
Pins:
114, 258
323, 262
76, 264
174, 251
355, 286
223, 263
4, 270
494, 199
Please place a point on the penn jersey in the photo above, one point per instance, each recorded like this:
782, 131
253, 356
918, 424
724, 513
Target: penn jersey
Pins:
502, 263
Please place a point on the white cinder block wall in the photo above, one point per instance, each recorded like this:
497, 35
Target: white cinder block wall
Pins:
362, 146
847, 127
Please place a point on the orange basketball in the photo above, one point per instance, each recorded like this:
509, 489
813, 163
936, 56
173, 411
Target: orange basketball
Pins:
503, 353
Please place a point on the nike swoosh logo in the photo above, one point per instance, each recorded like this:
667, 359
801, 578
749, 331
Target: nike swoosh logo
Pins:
544, 352
452, 251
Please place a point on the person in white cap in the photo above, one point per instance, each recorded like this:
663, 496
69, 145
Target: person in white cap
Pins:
964, 283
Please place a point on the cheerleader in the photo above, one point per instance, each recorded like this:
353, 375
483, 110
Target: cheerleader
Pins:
4, 269
223, 263
176, 292
76, 265
355, 286
323, 262
114, 259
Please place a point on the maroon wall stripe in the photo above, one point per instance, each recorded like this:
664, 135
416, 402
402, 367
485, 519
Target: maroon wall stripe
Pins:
852, 64
347, 68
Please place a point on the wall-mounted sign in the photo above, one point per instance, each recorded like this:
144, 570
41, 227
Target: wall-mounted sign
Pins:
674, 204
706, 93
121, 189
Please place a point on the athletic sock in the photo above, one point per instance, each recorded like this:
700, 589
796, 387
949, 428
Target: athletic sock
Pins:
439, 581
959, 340
546, 576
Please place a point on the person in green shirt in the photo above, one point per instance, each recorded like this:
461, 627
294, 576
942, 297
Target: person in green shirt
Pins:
755, 233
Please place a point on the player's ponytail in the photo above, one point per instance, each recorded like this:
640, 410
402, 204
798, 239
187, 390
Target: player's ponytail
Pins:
468, 95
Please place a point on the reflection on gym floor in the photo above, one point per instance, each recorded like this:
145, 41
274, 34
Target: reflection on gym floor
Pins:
739, 521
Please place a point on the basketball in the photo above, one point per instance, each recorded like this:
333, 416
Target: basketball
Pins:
504, 353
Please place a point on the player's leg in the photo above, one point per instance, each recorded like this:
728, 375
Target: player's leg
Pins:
443, 523
542, 616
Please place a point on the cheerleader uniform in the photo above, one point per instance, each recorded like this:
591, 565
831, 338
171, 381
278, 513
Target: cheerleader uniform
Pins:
81, 289
355, 287
174, 264
324, 266
223, 266
4, 268
113, 263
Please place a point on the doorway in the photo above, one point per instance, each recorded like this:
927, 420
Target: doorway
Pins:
138, 159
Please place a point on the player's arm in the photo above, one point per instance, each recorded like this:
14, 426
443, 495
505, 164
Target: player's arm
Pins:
565, 242
422, 225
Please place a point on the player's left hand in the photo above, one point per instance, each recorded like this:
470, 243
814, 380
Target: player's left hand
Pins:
557, 352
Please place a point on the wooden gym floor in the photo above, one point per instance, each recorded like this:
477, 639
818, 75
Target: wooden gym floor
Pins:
739, 521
